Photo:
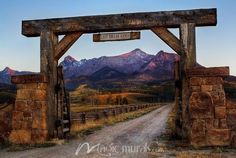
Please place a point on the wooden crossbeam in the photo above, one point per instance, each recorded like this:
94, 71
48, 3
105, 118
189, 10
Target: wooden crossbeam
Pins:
65, 44
169, 38
120, 22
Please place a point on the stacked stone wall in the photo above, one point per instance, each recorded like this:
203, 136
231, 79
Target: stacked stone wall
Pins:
212, 116
5, 122
29, 117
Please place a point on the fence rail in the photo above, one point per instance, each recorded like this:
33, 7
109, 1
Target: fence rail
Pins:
4, 106
83, 117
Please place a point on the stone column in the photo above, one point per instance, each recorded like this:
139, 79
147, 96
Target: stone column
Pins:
29, 119
207, 107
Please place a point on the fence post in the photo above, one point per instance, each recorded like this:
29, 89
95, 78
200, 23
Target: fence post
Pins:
105, 114
83, 118
97, 117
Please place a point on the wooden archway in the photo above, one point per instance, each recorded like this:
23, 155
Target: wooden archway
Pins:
51, 49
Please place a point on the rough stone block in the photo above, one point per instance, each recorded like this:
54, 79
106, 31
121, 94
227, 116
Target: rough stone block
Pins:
23, 94
195, 81
38, 105
16, 124
42, 86
27, 125
217, 88
206, 88
218, 137
44, 124
231, 117
20, 136
223, 124
218, 98
17, 115
27, 114
27, 86
36, 123
39, 136
197, 133
216, 123
212, 80
209, 123
30, 78
208, 72
21, 105
220, 112
201, 105
195, 88
39, 95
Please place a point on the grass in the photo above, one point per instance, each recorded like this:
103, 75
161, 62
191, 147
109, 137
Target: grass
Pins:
85, 108
90, 127
84, 95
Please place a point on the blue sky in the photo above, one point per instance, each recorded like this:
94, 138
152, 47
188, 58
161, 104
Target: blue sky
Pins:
215, 45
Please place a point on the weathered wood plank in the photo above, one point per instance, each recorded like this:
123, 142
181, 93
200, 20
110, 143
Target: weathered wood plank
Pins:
177, 109
118, 36
120, 22
65, 44
208, 72
169, 38
187, 33
48, 67
187, 61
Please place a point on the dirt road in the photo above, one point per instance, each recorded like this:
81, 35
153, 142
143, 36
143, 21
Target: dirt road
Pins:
126, 139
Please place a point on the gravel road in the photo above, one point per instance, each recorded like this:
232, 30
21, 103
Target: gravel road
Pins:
127, 139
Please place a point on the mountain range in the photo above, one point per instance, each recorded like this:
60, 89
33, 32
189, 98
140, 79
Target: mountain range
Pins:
129, 68
117, 71
5, 75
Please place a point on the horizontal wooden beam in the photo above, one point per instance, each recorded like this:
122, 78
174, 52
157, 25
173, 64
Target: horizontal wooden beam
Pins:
208, 72
65, 44
120, 22
169, 38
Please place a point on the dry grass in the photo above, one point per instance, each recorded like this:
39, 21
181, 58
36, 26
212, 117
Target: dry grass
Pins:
91, 126
85, 108
130, 96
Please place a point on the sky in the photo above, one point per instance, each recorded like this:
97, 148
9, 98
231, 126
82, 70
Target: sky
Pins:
216, 45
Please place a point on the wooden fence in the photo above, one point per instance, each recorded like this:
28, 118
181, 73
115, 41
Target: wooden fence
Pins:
83, 117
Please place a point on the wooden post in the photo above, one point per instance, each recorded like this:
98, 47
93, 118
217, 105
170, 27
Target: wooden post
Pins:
187, 61
177, 130
48, 66
83, 118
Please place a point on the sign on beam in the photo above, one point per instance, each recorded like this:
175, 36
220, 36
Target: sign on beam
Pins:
121, 36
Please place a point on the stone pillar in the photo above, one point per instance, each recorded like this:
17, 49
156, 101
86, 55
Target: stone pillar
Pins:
207, 107
29, 119
231, 119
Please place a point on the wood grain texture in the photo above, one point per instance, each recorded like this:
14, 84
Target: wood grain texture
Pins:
48, 67
117, 36
187, 61
65, 44
169, 38
120, 22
